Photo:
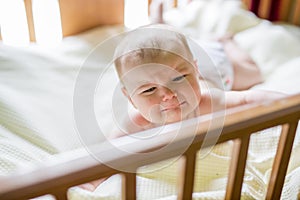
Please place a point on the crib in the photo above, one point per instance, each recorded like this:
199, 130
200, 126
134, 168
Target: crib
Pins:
101, 160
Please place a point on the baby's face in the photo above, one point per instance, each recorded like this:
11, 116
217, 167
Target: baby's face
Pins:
165, 90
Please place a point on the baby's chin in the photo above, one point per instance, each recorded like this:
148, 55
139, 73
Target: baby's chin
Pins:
172, 116
168, 120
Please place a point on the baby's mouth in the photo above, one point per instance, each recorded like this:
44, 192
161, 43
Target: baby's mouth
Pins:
172, 107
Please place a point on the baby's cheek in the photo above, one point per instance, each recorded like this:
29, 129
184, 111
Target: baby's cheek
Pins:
152, 100
193, 85
145, 101
150, 108
194, 94
153, 114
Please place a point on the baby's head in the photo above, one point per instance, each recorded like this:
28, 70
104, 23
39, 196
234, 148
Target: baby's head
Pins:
158, 73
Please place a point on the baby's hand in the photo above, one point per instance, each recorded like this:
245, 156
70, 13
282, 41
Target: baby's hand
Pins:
237, 98
91, 186
225, 38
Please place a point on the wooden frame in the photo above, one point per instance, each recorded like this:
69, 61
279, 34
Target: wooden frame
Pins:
80, 15
273, 10
238, 126
276, 10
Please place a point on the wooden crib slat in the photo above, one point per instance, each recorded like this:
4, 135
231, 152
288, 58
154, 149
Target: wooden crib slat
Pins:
129, 186
175, 3
276, 10
285, 10
61, 194
281, 160
237, 167
29, 15
253, 6
264, 9
61, 197
296, 14
92, 14
149, 4
186, 181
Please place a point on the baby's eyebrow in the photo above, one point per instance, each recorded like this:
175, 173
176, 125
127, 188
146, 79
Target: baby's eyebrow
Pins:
181, 66
142, 83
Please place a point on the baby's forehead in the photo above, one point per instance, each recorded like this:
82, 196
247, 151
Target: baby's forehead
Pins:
153, 38
151, 73
153, 57
151, 46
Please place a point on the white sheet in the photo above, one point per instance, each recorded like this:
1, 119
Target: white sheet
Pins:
36, 95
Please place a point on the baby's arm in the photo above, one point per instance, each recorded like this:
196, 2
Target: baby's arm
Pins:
130, 125
246, 71
91, 186
236, 98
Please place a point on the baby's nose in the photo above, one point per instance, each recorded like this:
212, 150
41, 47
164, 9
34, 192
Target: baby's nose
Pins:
167, 94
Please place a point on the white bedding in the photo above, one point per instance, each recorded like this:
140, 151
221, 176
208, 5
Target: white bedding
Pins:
37, 88
36, 101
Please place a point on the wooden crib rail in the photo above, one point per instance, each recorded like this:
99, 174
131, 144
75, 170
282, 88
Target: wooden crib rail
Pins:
239, 124
276, 10
80, 15
273, 10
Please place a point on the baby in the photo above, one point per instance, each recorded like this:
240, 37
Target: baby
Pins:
161, 79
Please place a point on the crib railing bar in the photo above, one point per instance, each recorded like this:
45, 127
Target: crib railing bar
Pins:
276, 10
175, 3
129, 186
257, 121
284, 10
37, 182
296, 14
254, 6
61, 194
30, 23
149, 5
281, 160
186, 178
237, 167
264, 9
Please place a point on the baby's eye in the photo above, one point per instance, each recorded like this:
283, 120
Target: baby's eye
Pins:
149, 90
179, 78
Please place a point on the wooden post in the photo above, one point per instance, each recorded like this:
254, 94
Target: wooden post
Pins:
281, 160
30, 22
237, 167
129, 186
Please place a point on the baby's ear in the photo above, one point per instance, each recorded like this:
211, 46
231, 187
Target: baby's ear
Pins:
195, 64
126, 94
